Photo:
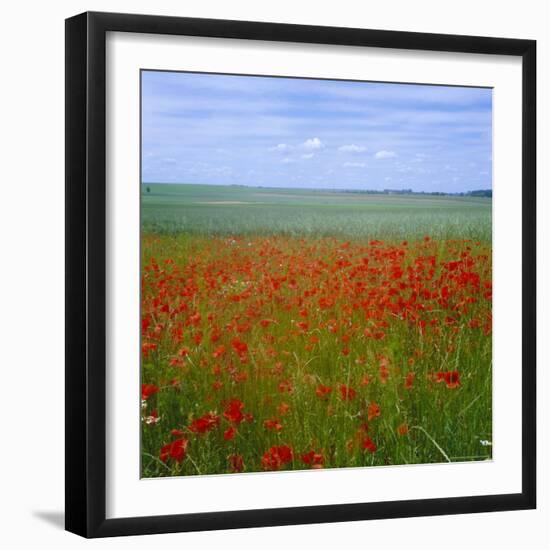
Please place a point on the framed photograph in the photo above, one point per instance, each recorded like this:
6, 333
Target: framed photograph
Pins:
300, 274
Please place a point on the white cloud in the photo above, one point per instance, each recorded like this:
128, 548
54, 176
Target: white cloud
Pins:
287, 160
313, 143
352, 148
385, 154
281, 148
354, 165
308, 155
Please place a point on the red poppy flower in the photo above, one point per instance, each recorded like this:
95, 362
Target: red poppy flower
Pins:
230, 433
147, 390
146, 347
373, 411
313, 459
403, 429
145, 322
277, 457
323, 391
451, 378
205, 423
384, 374
409, 379
369, 445
283, 408
286, 386
347, 393
175, 450
273, 424
195, 319
240, 347
219, 351
233, 411
183, 352
236, 463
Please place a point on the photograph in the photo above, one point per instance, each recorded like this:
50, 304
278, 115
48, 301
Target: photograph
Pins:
316, 273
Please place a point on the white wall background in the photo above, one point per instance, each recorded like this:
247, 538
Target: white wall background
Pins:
32, 270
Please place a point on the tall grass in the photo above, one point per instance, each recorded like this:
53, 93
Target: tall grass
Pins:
297, 302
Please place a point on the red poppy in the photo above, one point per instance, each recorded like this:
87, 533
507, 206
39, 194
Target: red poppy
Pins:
286, 386
205, 423
234, 411
176, 450
183, 352
230, 433
313, 459
147, 390
451, 378
240, 347
277, 457
283, 408
369, 445
145, 322
384, 374
146, 347
347, 393
219, 351
323, 391
373, 411
403, 429
195, 319
409, 379
236, 463
273, 424
366, 380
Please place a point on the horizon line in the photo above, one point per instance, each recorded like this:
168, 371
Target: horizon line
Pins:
403, 190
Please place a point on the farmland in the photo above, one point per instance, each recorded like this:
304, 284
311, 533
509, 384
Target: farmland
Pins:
299, 329
223, 210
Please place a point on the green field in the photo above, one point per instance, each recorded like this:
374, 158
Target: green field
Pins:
296, 329
236, 210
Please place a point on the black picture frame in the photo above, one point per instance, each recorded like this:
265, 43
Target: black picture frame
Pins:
86, 274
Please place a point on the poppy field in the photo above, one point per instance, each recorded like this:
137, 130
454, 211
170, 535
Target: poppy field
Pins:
268, 346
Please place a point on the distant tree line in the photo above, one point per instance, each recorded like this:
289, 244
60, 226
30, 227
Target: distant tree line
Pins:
476, 193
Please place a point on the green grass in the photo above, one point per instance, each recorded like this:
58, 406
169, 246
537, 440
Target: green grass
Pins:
221, 210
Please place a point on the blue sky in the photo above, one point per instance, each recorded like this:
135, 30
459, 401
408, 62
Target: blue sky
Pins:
285, 132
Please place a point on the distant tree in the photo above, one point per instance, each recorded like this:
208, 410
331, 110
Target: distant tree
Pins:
481, 193
148, 189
